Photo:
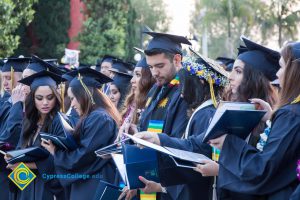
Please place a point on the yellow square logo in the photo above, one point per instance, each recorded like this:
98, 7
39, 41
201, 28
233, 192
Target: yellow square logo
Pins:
22, 176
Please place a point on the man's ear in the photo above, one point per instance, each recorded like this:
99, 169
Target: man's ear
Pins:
177, 61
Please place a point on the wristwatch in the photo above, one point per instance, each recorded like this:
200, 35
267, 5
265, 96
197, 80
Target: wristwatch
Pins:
163, 190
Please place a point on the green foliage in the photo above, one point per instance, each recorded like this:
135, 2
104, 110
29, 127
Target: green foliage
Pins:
114, 27
281, 18
226, 21
12, 14
104, 30
49, 28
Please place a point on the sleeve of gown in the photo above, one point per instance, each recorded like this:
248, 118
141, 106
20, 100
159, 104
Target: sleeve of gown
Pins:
245, 169
98, 130
13, 124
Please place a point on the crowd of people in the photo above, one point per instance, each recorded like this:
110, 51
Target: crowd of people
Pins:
167, 98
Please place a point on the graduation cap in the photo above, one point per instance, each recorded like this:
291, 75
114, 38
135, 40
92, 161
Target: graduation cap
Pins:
15, 64
43, 78
88, 77
208, 70
122, 82
228, 62
167, 42
296, 50
260, 58
121, 67
142, 62
38, 65
107, 58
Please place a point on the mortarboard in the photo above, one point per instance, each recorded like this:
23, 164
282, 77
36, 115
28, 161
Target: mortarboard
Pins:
39, 65
167, 42
228, 62
107, 58
121, 67
296, 50
260, 58
142, 62
88, 77
15, 64
208, 70
122, 82
43, 78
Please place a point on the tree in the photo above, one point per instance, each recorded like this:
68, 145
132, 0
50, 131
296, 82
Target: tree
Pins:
48, 31
225, 21
104, 31
12, 14
281, 18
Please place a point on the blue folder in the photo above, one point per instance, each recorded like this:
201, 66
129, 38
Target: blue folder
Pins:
107, 191
235, 122
140, 162
30, 154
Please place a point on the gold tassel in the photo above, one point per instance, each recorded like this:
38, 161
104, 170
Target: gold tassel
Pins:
12, 77
86, 89
62, 94
296, 100
212, 93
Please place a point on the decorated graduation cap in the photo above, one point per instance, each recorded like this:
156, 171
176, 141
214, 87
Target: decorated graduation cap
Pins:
43, 78
208, 70
121, 67
167, 42
260, 58
39, 65
142, 62
87, 77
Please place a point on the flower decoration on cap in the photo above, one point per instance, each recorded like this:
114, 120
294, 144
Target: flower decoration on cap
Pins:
203, 72
298, 170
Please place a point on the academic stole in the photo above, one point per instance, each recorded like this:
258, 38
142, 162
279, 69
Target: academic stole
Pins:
215, 157
156, 126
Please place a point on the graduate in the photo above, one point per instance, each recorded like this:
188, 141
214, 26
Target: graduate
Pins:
10, 75
196, 78
41, 105
13, 122
165, 111
97, 128
270, 172
119, 89
105, 66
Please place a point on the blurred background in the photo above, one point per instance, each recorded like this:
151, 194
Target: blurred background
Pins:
99, 27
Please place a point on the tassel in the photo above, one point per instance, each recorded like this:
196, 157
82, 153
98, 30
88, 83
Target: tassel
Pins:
86, 89
212, 93
12, 77
296, 100
62, 94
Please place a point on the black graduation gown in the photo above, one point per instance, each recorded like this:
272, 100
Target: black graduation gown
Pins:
13, 125
174, 115
97, 130
4, 191
197, 185
296, 194
271, 173
41, 188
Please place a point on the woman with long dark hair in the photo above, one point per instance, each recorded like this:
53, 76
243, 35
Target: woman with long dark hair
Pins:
97, 128
42, 105
269, 172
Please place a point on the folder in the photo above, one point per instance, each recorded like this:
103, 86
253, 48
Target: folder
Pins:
107, 191
30, 154
113, 148
234, 118
67, 141
177, 154
139, 162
